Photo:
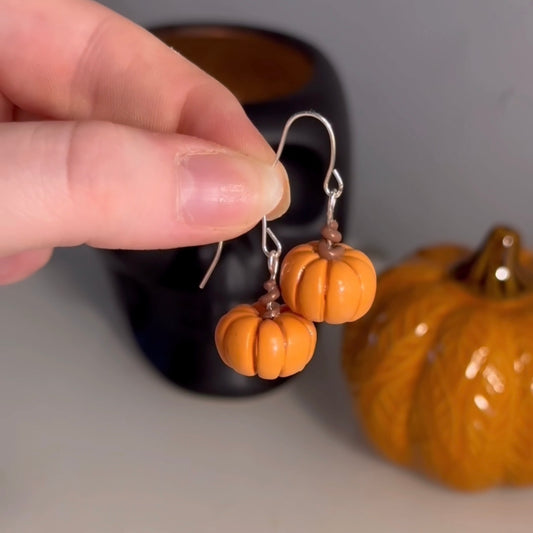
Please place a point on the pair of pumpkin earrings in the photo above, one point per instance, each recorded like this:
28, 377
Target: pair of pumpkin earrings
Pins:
321, 281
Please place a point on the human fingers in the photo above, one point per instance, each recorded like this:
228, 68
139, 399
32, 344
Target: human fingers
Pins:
16, 267
113, 186
76, 59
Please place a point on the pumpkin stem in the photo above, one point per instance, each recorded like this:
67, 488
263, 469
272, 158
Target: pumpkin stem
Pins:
268, 300
494, 270
328, 246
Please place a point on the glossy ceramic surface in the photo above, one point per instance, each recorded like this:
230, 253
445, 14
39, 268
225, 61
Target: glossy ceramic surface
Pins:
441, 368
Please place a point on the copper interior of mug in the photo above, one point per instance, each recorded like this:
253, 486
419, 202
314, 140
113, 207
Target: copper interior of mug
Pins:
256, 67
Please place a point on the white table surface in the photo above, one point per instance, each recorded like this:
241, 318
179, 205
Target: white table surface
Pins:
92, 440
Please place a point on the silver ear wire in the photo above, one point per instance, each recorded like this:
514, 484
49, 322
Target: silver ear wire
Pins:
213, 265
333, 149
274, 254
332, 193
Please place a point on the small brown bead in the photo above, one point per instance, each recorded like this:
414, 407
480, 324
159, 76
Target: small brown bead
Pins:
273, 311
270, 284
331, 233
270, 296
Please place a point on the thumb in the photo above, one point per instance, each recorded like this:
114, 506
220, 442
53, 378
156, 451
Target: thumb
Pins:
113, 186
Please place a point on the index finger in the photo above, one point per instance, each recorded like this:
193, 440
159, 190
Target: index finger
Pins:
76, 59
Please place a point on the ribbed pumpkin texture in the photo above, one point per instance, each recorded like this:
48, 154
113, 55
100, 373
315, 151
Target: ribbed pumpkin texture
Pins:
267, 347
325, 290
441, 368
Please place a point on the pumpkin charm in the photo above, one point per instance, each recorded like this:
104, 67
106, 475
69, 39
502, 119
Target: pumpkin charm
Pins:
328, 281
269, 342
441, 369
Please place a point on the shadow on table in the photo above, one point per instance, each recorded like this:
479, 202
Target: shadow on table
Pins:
323, 391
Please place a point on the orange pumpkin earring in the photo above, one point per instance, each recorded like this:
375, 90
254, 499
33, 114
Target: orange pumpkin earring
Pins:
322, 281
327, 280
264, 339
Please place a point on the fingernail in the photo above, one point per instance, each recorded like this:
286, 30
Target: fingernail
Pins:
225, 189
285, 201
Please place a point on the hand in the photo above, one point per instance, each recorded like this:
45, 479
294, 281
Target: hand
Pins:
110, 138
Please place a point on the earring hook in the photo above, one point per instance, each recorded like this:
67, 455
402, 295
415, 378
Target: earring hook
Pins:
332, 193
272, 255
333, 149
213, 265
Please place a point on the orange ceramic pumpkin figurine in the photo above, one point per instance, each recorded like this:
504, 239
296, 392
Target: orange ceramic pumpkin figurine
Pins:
265, 340
441, 369
328, 281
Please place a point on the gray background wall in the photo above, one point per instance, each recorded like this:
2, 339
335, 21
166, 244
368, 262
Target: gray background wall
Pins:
441, 98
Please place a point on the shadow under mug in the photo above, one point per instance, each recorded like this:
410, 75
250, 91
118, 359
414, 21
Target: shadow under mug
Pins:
273, 76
